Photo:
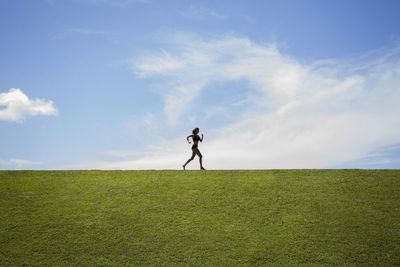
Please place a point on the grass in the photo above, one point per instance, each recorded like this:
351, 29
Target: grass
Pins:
214, 218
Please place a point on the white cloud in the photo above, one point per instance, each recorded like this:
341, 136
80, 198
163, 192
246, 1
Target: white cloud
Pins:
18, 106
313, 115
18, 163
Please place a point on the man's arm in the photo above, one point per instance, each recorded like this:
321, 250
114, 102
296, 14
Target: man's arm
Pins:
201, 139
187, 138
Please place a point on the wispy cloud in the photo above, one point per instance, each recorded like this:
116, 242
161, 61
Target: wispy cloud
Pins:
113, 3
85, 32
387, 157
16, 106
199, 13
306, 115
17, 163
249, 19
160, 63
89, 31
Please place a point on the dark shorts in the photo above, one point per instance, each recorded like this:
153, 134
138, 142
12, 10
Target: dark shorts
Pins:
194, 146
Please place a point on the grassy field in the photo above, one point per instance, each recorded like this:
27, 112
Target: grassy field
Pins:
231, 218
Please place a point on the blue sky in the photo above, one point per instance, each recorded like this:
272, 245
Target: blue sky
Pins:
118, 84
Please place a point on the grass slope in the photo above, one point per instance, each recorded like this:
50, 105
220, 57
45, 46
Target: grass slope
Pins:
288, 217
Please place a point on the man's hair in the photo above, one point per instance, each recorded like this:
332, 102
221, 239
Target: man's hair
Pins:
195, 130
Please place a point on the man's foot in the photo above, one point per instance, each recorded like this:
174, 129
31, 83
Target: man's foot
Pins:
183, 166
201, 168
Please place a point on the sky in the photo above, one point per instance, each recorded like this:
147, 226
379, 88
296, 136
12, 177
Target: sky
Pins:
120, 84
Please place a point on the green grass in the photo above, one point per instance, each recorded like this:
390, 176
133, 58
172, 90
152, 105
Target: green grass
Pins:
231, 218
